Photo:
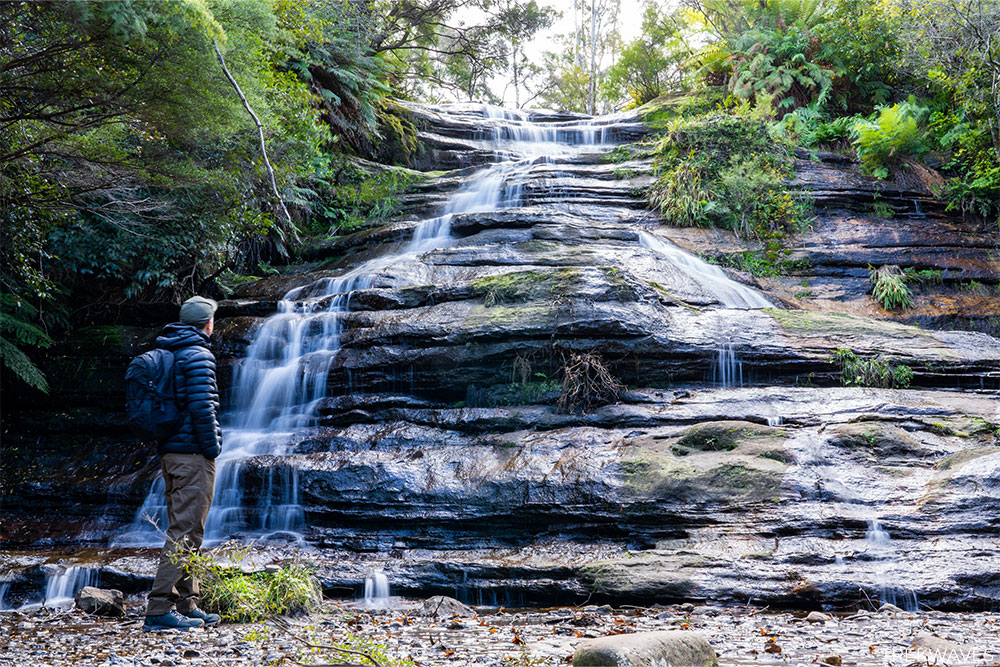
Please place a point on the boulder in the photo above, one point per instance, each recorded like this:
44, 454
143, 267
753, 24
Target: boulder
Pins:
442, 605
936, 650
817, 617
647, 649
101, 602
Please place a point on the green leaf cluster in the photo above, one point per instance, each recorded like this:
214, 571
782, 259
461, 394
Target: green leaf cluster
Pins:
871, 372
896, 135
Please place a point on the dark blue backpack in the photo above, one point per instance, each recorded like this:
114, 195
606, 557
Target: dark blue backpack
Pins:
150, 399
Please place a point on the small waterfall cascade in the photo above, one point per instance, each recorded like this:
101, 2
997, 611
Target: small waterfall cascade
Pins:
880, 545
283, 378
727, 369
62, 586
376, 591
4, 588
714, 280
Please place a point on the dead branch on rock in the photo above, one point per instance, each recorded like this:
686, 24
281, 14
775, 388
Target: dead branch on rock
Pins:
587, 383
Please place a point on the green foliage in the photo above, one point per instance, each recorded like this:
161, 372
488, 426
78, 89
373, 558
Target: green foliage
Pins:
924, 276
348, 194
974, 187
647, 67
769, 262
896, 135
862, 45
725, 170
18, 331
248, 597
871, 372
889, 287
810, 127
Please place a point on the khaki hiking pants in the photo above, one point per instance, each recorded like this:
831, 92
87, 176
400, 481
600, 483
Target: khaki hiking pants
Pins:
190, 485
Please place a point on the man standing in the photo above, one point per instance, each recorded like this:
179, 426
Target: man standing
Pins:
188, 464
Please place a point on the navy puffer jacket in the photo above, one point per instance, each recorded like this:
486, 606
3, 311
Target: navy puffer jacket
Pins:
197, 392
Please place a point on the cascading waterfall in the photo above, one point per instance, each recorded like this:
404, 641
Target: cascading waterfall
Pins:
377, 594
279, 384
730, 293
727, 370
61, 587
890, 590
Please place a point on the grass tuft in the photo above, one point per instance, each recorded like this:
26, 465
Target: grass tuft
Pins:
243, 597
889, 287
871, 372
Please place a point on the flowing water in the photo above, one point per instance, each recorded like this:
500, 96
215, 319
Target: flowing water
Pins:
61, 586
714, 280
282, 380
727, 369
377, 594
892, 590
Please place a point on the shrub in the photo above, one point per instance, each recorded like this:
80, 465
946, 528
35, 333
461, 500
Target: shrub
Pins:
889, 287
871, 372
890, 139
245, 597
724, 170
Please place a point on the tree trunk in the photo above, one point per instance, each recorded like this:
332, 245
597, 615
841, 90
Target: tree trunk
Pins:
260, 134
577, 55
593, 54
517, 91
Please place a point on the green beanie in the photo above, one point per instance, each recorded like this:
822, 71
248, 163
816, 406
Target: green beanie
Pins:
198, 311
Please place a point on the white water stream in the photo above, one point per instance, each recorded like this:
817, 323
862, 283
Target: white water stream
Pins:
283, 378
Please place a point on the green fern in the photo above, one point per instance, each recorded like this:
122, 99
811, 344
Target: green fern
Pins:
890, 139
15, 329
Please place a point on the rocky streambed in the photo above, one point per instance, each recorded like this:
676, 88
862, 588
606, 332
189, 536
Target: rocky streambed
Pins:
492, 637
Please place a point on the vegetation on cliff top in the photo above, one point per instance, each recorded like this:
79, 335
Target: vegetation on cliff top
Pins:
131, 170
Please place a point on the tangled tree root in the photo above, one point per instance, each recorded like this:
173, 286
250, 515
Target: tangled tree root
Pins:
587, 383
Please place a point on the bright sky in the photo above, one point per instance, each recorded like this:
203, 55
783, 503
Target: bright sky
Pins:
629, 25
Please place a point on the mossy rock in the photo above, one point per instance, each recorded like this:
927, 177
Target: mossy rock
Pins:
723, 436
878, 439
712, 462
521, 286
510, 316
845, 330
958, 459
974, 428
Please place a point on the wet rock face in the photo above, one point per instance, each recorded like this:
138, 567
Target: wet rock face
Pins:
440, 451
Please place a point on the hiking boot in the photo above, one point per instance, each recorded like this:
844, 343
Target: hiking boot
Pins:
206, 618
172, 620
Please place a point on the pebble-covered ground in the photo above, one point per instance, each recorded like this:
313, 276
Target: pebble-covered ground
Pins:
492, 638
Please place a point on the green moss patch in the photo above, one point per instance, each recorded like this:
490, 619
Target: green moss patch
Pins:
522, 286
959, 459
722, 436
711, 462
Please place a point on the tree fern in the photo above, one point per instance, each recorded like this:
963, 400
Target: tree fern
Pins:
14, 328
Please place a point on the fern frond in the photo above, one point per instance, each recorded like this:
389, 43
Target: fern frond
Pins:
18, 362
